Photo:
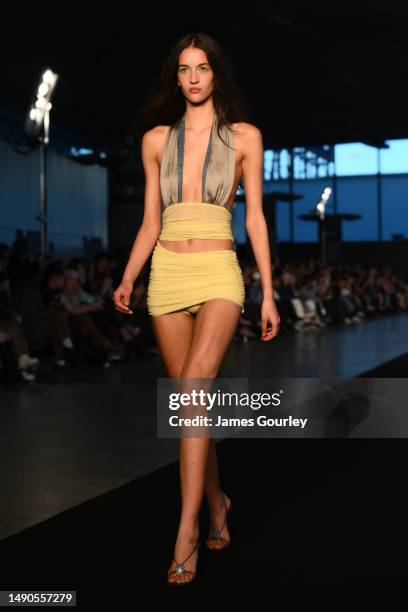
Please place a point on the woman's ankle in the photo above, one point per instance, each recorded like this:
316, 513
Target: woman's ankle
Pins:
216, 500
188, 531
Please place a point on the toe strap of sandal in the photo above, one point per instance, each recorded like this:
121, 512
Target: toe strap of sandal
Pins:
215, 534
180, 567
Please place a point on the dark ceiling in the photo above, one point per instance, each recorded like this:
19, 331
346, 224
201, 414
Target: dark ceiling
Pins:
313, 73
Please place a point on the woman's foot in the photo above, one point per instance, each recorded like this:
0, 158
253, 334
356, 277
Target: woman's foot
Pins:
219, 536
183, 565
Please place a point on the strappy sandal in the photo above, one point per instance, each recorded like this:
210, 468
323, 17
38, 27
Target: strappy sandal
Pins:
215, 534
181, 569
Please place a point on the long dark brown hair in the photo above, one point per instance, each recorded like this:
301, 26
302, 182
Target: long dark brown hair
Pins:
166, 103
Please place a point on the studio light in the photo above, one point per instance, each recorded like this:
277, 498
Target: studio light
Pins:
321, 205
37, 126
321, 211
38, 115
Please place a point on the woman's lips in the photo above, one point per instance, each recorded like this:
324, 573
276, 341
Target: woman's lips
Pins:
195, 90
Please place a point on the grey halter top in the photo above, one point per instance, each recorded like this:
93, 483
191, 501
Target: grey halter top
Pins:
218, 171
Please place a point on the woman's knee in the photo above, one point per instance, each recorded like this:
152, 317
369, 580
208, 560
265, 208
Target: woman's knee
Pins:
200, 366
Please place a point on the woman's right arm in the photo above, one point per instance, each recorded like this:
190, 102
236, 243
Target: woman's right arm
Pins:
150, 228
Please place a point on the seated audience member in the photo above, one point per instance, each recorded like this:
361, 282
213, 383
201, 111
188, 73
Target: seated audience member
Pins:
57, 313
11, 328
80, 316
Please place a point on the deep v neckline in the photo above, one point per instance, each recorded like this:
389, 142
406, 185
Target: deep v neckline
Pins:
180, 158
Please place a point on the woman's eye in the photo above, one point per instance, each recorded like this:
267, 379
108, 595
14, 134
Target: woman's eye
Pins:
184, 69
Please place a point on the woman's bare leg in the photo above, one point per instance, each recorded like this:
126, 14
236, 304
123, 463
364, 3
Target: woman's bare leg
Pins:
209, 335
213, 490
214, 328
218, 505
174, 334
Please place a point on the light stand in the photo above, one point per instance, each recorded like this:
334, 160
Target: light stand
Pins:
38, 118
321, 210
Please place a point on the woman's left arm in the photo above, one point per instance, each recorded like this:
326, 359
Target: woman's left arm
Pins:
252, 165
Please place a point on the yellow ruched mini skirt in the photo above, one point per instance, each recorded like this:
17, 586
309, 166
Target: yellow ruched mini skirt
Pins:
184, 281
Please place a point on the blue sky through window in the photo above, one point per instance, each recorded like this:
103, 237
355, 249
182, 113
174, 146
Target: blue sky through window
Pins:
351, 159
394, 159
355, 158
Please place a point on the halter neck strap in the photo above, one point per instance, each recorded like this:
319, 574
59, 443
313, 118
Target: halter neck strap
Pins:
180, 157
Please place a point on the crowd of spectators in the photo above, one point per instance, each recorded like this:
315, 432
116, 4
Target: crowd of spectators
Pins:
62, 310
310, 295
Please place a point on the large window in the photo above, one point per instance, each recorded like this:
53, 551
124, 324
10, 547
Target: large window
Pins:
358, 195
355, 158
311, 163
395, 158
394, 206
307, 231
358, 189
282, 213
238, 222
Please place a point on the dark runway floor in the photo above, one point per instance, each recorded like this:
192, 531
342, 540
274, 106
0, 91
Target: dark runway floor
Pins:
90, 498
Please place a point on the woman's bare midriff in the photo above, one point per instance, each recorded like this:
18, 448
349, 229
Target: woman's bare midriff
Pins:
197, 244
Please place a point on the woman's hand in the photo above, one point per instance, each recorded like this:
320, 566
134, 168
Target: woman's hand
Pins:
269, 314
121, 297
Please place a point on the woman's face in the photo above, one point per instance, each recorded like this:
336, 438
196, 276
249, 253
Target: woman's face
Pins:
194, 71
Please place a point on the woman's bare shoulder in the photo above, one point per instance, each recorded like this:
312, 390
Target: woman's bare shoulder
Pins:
246, 130
155, 138
248, 138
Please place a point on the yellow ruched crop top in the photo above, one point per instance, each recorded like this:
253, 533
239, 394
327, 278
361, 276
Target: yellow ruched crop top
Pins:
196, 220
